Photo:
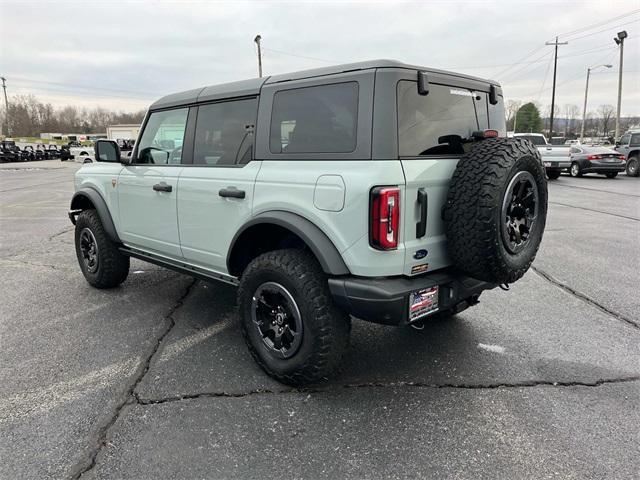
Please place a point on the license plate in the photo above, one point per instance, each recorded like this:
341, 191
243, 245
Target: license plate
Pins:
423, 302
610, 159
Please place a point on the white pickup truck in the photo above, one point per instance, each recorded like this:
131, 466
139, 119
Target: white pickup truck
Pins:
555, 158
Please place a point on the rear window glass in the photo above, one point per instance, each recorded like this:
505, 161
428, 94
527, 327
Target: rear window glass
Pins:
320, 119
635, 138
437, 123
536, 140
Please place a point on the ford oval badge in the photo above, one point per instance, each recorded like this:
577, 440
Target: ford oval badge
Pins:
420, 254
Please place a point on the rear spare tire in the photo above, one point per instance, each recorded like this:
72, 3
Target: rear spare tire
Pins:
496, 210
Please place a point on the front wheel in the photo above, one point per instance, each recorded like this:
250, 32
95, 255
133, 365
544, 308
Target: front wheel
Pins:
291, 326
575, 170
632, 167
611, 174
100, 260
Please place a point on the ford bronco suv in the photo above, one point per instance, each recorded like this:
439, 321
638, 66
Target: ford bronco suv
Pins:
376, 190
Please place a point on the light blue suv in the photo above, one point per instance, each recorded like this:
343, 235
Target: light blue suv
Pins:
377, 190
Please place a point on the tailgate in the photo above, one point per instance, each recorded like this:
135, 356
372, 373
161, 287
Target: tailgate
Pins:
431, 178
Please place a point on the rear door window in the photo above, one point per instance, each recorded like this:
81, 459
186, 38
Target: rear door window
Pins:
437, 123
224, 132
635, 139
318, 119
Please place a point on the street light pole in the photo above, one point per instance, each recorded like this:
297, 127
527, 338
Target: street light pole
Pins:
6, 105
258, 39
620, 41
586, 92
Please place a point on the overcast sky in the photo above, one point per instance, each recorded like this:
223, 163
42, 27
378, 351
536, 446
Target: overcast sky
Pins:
123, 54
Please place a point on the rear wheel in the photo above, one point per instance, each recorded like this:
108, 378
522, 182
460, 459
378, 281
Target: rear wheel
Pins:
575, 170
632, 167
553, 174
611, 174
293, 330
100, 260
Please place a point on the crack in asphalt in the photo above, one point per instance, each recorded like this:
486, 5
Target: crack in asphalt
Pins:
130, 396
460, 386
585, 298
596, 211
51, 237
32, 264
597, 190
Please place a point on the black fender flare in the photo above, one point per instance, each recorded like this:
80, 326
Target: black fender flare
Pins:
322, 247
101, 208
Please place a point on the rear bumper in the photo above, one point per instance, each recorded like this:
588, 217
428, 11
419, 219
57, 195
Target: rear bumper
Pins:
556, 165
386, 300
604, 168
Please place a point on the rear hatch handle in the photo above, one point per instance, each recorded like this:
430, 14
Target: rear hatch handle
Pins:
421, 225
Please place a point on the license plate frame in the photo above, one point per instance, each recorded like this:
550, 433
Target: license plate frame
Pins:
423, 302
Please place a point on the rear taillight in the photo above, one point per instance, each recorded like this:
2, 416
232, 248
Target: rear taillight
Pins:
621, 157
594, 157
384, 218
491, 133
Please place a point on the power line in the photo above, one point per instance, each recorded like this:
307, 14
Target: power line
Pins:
302, 56
596, 25
86, 87
608, 29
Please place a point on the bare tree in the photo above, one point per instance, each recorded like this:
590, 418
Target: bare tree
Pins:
511, 109
606, 112
571, 113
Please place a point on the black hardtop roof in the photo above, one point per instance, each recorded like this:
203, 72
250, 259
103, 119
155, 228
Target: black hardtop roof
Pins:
253, 86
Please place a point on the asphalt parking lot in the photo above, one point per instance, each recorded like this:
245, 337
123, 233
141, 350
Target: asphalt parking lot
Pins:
152, 379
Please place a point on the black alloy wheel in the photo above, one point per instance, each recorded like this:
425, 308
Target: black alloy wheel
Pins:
89, 249
277, 318
519, 211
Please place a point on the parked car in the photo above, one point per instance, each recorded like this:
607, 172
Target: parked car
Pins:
10, 152
555, 158
596, 159
65, 154
392, 214
629, 146
29, 153
83, 154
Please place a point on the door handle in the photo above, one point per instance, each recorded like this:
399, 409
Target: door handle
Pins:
162, 187
421, 226
232, 192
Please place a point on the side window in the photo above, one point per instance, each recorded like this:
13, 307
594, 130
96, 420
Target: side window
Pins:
624, 140
481, 101
497, 119
320, 119
224, 132
161, 141
635, 139
434, 124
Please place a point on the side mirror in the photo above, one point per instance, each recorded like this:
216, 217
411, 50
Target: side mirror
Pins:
107, 151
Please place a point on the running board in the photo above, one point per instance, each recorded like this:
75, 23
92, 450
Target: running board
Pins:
180, 267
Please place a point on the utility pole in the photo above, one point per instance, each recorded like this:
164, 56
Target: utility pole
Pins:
586, 92
619, 39
6, 105
258, 39
553, 93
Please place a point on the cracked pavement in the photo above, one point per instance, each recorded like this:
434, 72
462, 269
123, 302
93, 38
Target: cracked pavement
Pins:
152, 379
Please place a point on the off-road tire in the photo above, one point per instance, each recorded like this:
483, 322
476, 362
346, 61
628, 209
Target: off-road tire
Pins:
473, 211
113, 266
553, 174
633, 166
611, 175
326, 329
